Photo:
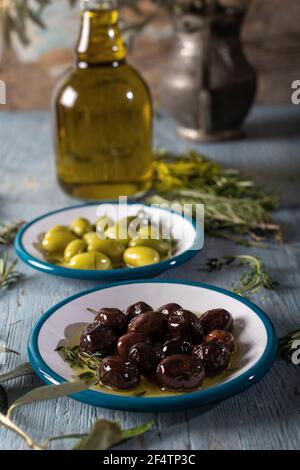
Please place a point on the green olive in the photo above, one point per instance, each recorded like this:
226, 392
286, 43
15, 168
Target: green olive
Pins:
103, 223
91, 260
138, 256
56, 242
161, 246
74, 248
150, 231
80, 226
121, 230
59, 228
112, 248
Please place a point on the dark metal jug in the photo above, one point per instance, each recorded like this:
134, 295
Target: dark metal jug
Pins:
209, 86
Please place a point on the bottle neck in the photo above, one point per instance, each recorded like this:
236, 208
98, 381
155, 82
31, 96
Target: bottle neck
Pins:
100, 40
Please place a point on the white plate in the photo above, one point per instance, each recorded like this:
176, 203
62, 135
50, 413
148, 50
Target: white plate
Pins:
256, 336
187, 247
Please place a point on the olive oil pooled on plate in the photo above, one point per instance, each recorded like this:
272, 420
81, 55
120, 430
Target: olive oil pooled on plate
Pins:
103, 114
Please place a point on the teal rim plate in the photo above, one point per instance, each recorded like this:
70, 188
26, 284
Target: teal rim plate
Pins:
187, 247
255, 333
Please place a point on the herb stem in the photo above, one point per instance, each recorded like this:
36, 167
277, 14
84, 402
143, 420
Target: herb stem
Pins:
14, 428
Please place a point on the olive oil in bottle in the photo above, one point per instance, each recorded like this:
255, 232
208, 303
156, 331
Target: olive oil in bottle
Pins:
103, 114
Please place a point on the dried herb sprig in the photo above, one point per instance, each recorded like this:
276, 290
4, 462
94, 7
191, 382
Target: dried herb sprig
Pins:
289, 347
79, 359
9, 231
255, 278
233, 204
8, 274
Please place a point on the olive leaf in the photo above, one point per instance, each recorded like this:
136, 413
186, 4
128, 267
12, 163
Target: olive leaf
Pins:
106, 434
20, 371
49, 392
3, 400
139, 430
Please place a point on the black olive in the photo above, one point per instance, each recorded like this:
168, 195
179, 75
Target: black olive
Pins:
136, 309
185, 324
145, 357
222, 337
168, 309
158, 349
180, 373
118, 373
126, 342
214, 356
97, 338
177, 346
113, 318
151, 324
216, 319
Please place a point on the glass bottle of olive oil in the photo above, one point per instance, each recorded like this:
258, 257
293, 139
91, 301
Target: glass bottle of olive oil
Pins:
103, 114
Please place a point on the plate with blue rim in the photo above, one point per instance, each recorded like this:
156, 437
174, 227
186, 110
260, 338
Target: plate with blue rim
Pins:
189, 239
254, 332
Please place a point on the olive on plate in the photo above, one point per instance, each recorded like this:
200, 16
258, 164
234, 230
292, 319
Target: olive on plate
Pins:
180, 373
158, 349
118, 373
216, 319
222, 337
185, 324
136, 309
97, 338
168, 309
177, 346
126, 342
145, 357
149, 323
113, 318
215, 357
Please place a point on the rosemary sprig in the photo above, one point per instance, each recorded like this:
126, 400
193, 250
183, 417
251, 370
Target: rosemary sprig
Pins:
252, 280
233, 204
289, 347
8, 274
9, 231
79, 359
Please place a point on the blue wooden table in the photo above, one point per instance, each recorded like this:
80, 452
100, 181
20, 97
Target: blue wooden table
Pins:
264, 417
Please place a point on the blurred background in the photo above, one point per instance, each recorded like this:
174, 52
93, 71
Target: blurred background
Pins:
36, 46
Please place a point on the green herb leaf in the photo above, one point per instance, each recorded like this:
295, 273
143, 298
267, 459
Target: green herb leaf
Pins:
8, 274
49, 392
3, 400
251, 281
77, 358
20, 371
